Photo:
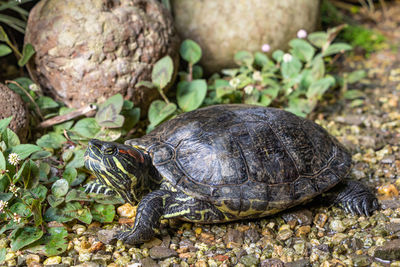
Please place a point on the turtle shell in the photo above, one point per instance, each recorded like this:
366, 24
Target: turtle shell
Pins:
246, 159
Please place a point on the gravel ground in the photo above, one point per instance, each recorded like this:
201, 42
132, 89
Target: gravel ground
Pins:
310, 235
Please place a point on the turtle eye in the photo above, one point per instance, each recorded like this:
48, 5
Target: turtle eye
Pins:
108, 150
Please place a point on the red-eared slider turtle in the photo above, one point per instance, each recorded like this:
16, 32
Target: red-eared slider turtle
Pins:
224, 163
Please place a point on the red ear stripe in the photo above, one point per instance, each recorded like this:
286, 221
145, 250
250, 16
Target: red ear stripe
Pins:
133, 153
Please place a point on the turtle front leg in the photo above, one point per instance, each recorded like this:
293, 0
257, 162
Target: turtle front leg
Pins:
356, 198
148, 215
166, 204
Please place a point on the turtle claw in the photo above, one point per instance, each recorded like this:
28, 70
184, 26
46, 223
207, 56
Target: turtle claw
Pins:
357, 199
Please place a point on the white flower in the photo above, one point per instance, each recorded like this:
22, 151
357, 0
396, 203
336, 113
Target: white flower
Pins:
13, 189
257, 76
301, 34
16, 218
265, 48
248, 89
34, 87
234, 82
287, 57
14, 159
3, 204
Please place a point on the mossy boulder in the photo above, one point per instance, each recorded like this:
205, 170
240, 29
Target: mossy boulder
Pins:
87, 51
224, 27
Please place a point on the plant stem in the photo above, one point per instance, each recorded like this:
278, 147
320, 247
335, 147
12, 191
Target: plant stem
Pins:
163, 96
190, 75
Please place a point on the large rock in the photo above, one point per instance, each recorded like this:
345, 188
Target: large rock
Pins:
224, 27
11, 104
89, 50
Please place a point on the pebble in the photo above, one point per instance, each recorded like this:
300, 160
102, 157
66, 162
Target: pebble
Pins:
233, 238
337, 226
284, 234
361, 260
251, 235
272, 263
249, 260
303, 217
52, 260
389, 251
148, 262
107, 236
303, 230
320, 219
31, 258
127, 210
159, 252
301, 263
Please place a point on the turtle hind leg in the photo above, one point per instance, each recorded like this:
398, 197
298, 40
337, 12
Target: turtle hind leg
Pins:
356, 198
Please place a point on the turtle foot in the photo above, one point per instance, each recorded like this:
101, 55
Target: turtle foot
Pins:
356, 198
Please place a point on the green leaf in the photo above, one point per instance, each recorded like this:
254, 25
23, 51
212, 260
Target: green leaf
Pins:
87, 127
29, 173
197, 72
146, 84
70, 174
39, 193
108, 113
162, 72
291, 69
56, 214
10, 138
40, 155
103, 213
105, 199
45, 102
55, 243
318, 67
60, 188
190, 51
4, 123
5, 196
4, 50
3, 35
3, 253
319, 39
356, 76
160, 111
24, 150
244, 58
353, 94
336, 48
318, 88
76, 195
190, 95
278, 55
54, 201
302, 49
27, 52
78, 160
261, 59
21, 209
25, 236
51, 140
3, 163
132, 116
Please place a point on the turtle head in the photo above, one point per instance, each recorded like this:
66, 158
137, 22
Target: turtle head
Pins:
117, 166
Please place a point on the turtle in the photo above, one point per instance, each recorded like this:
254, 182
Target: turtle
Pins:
224, 163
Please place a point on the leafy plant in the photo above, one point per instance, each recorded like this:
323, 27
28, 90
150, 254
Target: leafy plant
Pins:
42, 182
18, 24
191, 91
